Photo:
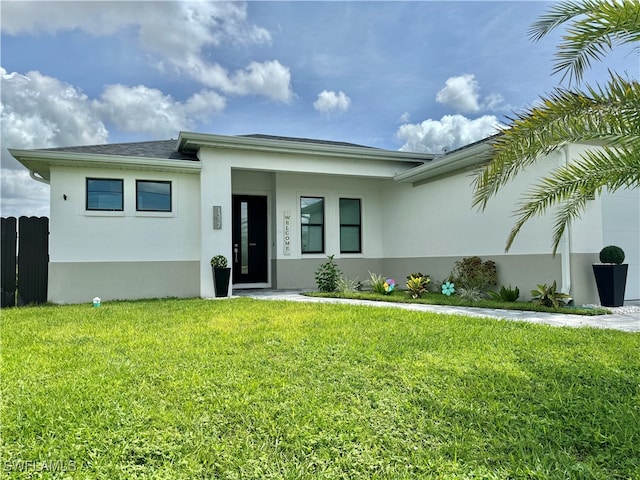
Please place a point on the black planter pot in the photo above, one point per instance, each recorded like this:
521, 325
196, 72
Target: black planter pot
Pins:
221, 278
611, 281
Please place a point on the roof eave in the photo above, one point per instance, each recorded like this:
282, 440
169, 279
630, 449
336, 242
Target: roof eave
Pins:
447, 164
40, 161
192, 142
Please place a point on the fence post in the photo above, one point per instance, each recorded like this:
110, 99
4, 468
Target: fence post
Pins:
8, 259
33, 259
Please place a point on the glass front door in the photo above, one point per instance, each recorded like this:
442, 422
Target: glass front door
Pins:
250, 248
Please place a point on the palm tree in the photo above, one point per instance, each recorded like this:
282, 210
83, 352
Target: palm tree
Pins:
606, 115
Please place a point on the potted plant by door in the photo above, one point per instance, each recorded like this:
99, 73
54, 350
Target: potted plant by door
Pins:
221, 275
611, 276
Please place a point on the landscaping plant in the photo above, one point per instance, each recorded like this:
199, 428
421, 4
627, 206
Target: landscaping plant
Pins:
376, 282
346, 284
505, 294
548, 295
417, 284
328, 275
471, 294
473, 272
612, 254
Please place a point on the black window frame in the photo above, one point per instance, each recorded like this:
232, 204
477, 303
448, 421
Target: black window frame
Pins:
322, 225
358, 225
168, 182
88, 207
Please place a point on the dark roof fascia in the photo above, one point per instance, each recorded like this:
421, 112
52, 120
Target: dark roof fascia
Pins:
193, 142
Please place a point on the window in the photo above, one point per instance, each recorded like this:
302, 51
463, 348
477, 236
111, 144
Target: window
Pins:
104, 194
350, 226
153, 196
312, 223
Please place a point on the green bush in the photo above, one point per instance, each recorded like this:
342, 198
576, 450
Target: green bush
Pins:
219, 261
612, 254
505, 294
472, 272
549, 296
328, 275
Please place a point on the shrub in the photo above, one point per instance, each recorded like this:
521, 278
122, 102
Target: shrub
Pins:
549, 296
219, 261
417, 284
327, 275
473, 272
612, 254
471, 294
347, 285
376, 282
505, 294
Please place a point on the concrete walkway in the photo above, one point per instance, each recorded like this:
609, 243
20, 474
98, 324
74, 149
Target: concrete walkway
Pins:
626, 318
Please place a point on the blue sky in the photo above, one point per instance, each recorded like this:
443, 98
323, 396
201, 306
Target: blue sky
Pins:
419, 76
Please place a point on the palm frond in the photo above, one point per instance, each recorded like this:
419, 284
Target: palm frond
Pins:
596, 27
574, 185
609, 114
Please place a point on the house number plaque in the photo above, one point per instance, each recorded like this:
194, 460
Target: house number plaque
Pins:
217, 217
286, 247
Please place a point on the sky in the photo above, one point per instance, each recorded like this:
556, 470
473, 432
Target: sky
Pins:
419, 76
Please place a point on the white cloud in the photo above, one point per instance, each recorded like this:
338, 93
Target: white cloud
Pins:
463, 94
21, 195
178, 33
169, 28
332, 102
460, 93
39, 111
448, 133
269, 78
143, 109
405, 117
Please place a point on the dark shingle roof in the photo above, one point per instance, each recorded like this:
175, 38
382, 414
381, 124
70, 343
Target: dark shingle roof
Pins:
165, 149
305, 140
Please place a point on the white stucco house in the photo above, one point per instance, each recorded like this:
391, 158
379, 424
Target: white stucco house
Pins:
138, 220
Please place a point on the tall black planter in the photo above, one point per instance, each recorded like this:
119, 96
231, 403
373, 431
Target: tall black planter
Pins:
221, 281
611, 281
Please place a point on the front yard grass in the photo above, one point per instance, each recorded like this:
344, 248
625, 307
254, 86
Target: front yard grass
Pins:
432, 298
243, 388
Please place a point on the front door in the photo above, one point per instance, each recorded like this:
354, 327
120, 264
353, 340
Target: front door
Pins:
250, 248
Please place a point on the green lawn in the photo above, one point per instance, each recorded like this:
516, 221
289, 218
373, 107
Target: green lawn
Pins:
242, 388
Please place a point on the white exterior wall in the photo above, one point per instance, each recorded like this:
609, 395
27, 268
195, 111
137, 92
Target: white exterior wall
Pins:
621, 227
446, 225
437, 219
120, 255
290, 187
283, 178
215, 190
404, 228
78, 235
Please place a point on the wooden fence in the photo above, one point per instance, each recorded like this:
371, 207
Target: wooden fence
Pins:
25, 260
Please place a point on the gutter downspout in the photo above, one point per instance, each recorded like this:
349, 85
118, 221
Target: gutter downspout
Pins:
565, 245
37, 178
